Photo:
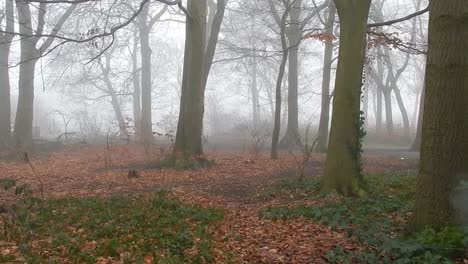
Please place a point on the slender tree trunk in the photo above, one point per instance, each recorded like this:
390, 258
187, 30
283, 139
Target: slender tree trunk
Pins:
136, 87
387, 94
404, 114
343, 164
213, 39
415, 112
279, 81
190, 126
326, 79
417, 140
114, 99
379, 110
254, 93
146, 83
444, 147
293, 33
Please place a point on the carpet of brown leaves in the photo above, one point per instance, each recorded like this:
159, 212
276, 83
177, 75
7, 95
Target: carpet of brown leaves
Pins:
242, 237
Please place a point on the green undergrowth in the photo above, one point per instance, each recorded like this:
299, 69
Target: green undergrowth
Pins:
127, 229
377, 220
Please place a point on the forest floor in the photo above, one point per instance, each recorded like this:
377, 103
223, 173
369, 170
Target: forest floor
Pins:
241, 186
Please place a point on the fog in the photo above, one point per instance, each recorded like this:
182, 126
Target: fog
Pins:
69, 78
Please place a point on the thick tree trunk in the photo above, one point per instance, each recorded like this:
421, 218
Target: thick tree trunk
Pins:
23, 134
190, 126
146, 83
5, 106
293, 33
342, 173
444, 147
327, 63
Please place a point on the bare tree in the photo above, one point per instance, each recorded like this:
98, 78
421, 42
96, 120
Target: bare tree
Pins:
5, 44
30, 54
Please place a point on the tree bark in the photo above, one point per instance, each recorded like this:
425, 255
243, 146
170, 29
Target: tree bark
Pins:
293, 33
387, 95
326, 79
417, 140
213, 39
254, 93
5, 106
113, 95
23, 134
378, 118
444, 147
136, 87
190, 126
279, 81
342, 173
146, 83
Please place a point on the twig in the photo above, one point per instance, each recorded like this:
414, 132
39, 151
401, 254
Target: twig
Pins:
41, 184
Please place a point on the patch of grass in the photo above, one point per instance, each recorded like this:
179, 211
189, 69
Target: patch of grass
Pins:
127, 229
379, 220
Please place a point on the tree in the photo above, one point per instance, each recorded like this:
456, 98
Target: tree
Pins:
294, 31
417, 139
144, 28
444, 146
190, 126
284, 48
342, 171
326, 78
5, 44
30, 54
197, 52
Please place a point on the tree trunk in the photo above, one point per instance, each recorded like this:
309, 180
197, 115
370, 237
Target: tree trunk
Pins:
365, 101
326, 78
444, 147
404, 114
255, 97
387, 94
146, 83
5, 106
114, 99
136, 88
343, 165
190, 126
212, 43
293, 33
417, 140
23, 134
378, 117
